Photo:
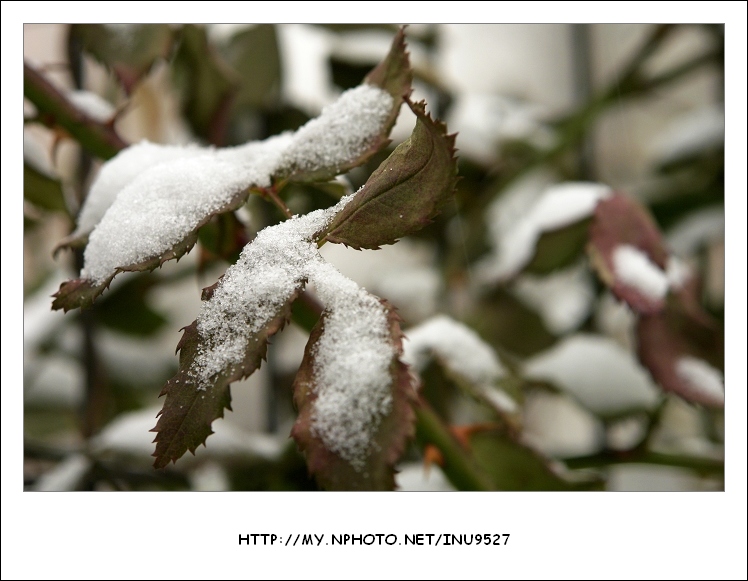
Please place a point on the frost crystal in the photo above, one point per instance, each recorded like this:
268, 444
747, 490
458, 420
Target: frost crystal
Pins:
634, 268
149, 198
704, 382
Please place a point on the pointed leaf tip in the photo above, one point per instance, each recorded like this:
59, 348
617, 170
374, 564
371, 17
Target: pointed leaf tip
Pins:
405, 193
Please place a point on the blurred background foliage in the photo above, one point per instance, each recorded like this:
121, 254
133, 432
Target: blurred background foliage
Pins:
637, 107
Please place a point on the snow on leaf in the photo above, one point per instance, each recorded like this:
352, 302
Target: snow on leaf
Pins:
354, 395
190, 408
628, 253
228, 340
467, 358
405, 192
683, 349
181, 189
545, 235
599, 373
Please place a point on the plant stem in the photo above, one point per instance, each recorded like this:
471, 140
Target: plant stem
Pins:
458, 465
698, 464
100, 139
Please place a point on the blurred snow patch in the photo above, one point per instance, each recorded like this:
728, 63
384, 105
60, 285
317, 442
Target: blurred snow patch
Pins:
563, 299
696, 230
209, 477
93, 105
36, 155
65, 476
616, 320
483, 122
516, 223
56, 381
39, 320
558, 426
598, 372
651, 478
634, 268
691, 134
415, 477
305, 51
129, 436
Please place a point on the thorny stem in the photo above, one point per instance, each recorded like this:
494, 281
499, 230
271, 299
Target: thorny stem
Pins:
100, 139
271, 194
699, 464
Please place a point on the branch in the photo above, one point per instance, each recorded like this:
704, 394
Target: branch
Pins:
100, 139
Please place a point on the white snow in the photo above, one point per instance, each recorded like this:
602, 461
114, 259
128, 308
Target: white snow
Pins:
270, 269
351, 366
93, 105
120, 171
705, 383
36, 156
563, 299
557, 207
484, 121
696, 230
678, 272
129, 436
462, 352
634, 268
601, 374
148, 198
690, 134
353, 355
345, 129
65, 476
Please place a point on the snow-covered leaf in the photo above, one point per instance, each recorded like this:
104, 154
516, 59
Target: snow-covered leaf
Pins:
546, 235
599, 373
468, 360
186, 187
128, 50
684, 353
354, 397
628, 253
405, 191
191, 406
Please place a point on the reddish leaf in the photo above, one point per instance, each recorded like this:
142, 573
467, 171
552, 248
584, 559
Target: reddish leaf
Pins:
405, 192
189, 410
621, 222
331, 470
676, 338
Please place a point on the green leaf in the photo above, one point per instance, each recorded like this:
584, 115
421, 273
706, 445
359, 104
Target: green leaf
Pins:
253, 53
209, 85
42, 190
185, 420
620, 220
515, 466
331, 471
128, 50
404, 193
126, 309
559, 248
